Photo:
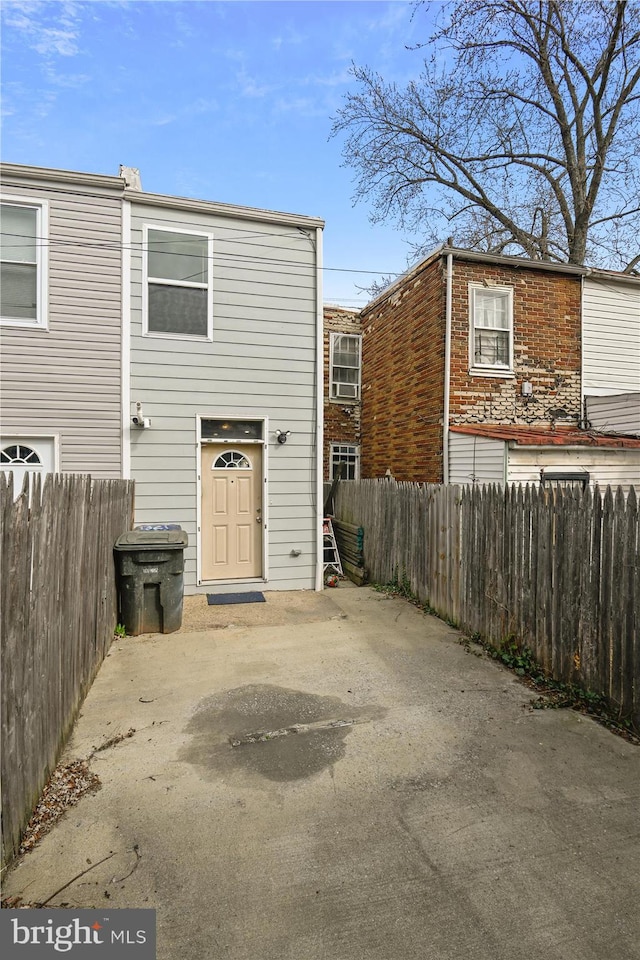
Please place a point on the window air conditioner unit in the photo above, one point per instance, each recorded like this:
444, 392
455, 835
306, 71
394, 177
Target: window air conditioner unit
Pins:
347, 390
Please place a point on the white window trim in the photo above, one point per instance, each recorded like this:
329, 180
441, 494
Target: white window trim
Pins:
42, 262
489, 370
146, 227
355, 447
332, 341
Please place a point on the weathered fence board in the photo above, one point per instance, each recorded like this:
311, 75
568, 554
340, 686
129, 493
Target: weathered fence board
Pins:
558, 570
59, 611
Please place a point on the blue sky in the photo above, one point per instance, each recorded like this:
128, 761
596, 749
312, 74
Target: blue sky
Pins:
229, 101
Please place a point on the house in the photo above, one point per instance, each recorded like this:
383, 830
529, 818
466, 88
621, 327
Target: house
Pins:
177, 342
224, 329
61, 327
342, 376
473, 372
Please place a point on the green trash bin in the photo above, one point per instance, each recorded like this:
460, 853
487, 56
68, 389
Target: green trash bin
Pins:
151, 580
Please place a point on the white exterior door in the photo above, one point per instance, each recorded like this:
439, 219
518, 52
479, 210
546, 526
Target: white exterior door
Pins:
231, 515
20, 455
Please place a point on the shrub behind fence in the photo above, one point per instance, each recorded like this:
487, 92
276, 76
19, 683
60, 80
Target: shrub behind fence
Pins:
59, 611
557, 570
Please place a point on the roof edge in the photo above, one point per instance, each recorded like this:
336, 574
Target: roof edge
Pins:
521, 263
408, 274
221, 209
27, 172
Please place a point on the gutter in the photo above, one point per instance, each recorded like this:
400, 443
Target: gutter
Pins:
222, 209
10, 171
513, 445
521, 262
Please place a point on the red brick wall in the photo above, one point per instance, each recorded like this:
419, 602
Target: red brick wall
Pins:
403, 380
341, 417
403, 364
546, 322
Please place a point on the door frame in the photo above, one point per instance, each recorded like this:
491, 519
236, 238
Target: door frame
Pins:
264, 482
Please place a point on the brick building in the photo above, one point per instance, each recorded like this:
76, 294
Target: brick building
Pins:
466, 343
342, 369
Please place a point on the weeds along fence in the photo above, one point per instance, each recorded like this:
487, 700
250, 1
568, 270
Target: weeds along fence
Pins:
59, 611
558, 570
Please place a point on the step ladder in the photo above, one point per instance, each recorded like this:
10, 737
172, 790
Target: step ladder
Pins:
330, 548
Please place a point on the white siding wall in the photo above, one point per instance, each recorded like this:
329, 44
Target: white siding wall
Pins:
476, 459
606, 466
261, 363
65, 381
617, 414
611, 337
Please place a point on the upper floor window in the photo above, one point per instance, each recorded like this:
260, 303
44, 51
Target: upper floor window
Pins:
491, 335
344, 366
178, 288
23, 264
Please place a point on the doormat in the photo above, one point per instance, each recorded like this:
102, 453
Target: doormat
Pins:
217, 599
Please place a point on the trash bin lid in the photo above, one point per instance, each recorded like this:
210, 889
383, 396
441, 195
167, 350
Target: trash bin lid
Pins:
157, 526
152, 540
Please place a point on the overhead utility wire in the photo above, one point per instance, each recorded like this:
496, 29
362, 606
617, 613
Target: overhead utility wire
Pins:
44, 242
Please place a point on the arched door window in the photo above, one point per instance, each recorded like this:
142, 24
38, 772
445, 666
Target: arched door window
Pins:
19, 455
231, 460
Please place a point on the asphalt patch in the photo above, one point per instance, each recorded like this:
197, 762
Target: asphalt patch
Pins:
271, 732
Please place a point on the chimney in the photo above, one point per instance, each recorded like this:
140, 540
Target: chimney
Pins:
131, 177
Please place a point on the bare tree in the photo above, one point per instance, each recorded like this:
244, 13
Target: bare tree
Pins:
520, 136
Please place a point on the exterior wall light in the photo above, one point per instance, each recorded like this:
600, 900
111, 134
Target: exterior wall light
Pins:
281, 435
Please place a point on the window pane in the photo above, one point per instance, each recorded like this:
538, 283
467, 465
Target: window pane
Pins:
177, 256
18, 291
342, 358
491, 309
345, 374
232, 460
347, 456
19, 454
181, 310
346, 351
231, 429
491, 348
18, 233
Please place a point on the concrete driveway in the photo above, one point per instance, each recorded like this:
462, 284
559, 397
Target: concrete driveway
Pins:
332, 777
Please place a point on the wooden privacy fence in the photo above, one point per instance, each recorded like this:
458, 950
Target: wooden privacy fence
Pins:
558, 570
59, 611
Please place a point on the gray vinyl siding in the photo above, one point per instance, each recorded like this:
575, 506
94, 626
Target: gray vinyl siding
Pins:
261, 363
476, 459
66, 380
616, 414
611, 336
606, 466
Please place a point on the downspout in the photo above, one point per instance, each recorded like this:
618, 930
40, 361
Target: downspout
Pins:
447, 371
125, 347
319, 380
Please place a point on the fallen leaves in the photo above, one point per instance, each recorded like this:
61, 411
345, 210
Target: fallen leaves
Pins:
67, 784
